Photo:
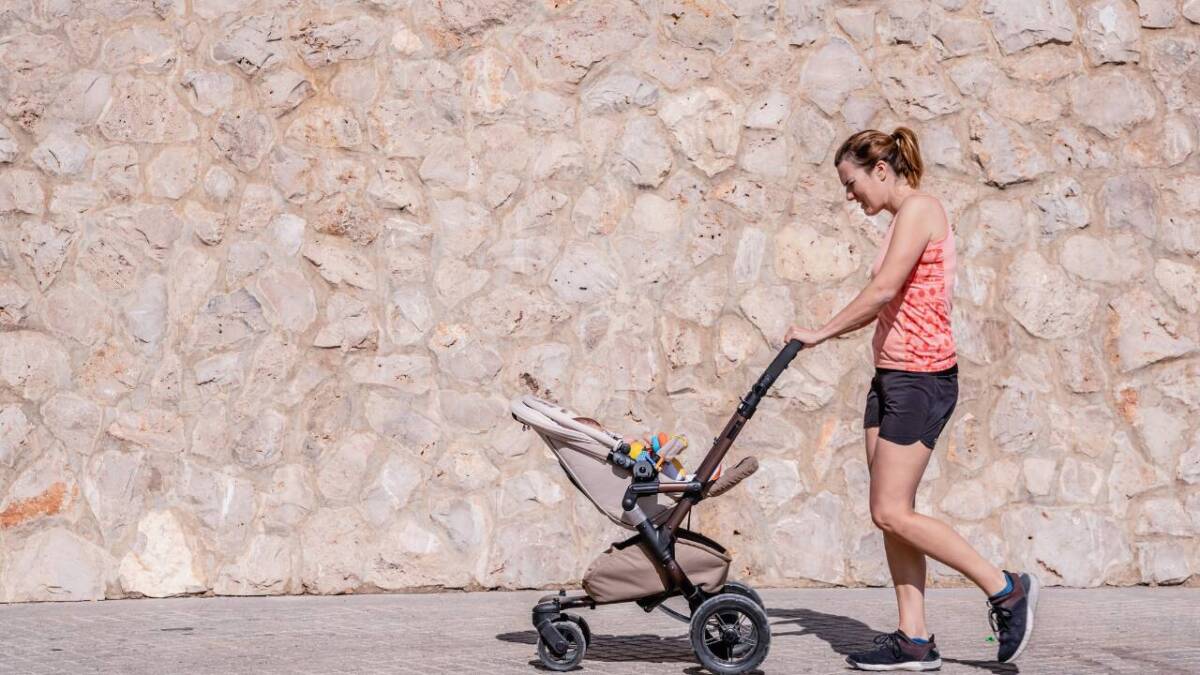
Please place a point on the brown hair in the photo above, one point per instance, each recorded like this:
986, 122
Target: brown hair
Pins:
899, 150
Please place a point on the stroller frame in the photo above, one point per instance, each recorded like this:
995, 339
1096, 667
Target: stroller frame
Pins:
659, 540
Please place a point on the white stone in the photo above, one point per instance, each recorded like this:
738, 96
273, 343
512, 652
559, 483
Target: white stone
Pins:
62, 153
162, 562
1076, 547
55, 565
1163, 563
1163, 515
817, 531
1107, 260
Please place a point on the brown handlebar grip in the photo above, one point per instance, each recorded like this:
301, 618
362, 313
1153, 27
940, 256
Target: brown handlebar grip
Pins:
740, 472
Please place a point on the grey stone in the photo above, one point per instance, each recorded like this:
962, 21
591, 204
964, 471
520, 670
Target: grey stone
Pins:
643, 155
1062, 205
1007, 152
284, 89
701, 24
1021, 24
914, 88
959, 37
804, 20
904, 23
33, 364
1158, 13
253, 43
1128, 201
1111, 32
566, 48
344, 39
833, 73
1181, 282
1145, 331
1112, 103
244, 137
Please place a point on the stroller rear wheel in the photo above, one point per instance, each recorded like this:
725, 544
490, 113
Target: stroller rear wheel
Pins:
739, 588
730, 634
576, 646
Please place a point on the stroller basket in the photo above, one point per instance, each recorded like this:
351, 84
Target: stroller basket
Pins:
626, 571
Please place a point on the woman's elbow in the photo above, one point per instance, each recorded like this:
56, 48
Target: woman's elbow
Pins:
882, 295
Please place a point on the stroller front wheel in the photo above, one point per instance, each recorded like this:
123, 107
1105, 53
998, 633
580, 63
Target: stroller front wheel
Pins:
576, 646
730, 634
583, 625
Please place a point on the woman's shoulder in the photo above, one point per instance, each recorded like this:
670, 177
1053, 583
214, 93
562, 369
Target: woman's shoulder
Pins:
925, 211
921, 203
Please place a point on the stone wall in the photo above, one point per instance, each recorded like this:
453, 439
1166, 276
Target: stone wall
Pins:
271, 270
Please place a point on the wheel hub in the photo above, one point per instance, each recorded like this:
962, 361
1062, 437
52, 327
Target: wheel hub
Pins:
730, 636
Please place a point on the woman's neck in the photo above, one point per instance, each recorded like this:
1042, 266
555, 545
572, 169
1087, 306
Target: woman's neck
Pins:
901, 192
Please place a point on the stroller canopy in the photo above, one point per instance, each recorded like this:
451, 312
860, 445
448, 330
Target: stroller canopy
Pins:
582, 451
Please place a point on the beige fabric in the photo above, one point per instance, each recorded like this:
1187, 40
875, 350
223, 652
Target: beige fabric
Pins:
582, 452
630, 573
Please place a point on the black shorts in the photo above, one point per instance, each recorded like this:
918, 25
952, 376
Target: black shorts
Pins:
910, 407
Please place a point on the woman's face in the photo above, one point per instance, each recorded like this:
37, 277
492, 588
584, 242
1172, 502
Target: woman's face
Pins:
864, 187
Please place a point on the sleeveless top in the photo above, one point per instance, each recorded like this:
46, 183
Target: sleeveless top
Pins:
912, 331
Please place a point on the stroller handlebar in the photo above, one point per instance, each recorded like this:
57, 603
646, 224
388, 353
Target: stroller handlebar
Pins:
782, 360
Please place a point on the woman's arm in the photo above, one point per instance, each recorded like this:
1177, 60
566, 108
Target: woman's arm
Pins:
909, 238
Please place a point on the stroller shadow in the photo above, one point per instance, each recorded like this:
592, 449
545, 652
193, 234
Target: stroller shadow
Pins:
846, 635
640, 648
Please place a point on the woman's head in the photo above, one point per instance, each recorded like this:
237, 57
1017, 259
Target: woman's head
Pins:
871, 164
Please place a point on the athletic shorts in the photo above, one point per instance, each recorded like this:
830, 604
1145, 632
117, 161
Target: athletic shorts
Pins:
909, 407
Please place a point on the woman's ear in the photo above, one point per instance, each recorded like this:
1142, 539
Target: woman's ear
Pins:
880, 170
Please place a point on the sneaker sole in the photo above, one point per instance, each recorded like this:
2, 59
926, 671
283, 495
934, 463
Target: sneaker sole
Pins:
1030, 607
911, 665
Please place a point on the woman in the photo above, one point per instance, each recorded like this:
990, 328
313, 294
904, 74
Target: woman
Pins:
911, 397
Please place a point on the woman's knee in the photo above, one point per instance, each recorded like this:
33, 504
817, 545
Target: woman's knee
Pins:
890, 518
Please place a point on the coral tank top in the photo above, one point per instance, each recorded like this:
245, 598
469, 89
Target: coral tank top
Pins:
912, 331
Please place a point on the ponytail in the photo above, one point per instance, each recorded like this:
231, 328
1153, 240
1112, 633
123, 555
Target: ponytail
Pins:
899, 149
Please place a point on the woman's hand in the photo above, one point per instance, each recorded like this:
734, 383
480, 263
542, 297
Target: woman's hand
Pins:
810, 338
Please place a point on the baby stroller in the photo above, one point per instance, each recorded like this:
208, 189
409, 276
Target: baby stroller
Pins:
728, 625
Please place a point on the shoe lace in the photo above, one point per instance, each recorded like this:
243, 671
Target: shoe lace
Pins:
999, 618
889, 641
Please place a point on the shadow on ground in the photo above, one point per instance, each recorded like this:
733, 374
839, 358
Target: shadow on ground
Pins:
846, 635
843, 634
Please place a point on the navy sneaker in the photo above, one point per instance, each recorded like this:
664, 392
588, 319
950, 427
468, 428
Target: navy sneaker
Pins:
1011, 616
896, 651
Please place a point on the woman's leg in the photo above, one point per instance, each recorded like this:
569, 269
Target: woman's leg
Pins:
895, 473
906, 564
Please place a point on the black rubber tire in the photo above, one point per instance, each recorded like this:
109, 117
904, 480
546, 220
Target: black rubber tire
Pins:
730, 634
740, 588
583, 624
576, 647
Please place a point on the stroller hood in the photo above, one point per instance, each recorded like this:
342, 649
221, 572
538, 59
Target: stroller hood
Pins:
582, 451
